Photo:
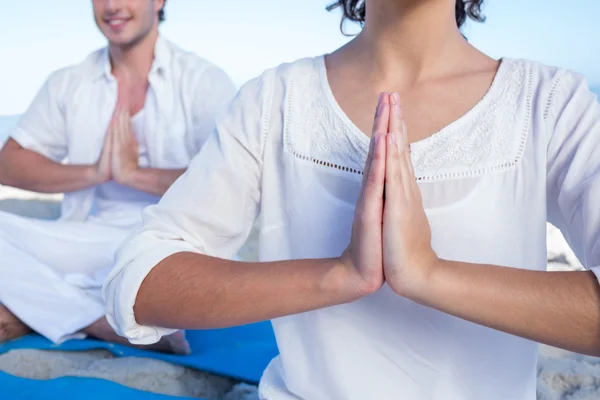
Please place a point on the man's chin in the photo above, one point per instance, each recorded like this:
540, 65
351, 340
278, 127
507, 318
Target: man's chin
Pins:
121, 42
125, 42
117, 38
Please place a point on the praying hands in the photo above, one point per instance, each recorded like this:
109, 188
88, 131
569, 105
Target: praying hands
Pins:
119, 159
391, 238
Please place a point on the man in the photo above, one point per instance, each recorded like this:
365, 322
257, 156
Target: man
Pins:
128, 119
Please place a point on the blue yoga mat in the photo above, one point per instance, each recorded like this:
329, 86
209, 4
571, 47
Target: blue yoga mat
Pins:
241, 353
13, 388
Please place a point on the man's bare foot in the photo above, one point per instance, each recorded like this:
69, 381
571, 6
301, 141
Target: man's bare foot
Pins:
11, 327
174, 344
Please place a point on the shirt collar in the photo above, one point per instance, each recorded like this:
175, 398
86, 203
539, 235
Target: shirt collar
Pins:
160, 65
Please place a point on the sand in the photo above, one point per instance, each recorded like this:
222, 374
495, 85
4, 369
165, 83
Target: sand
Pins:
140, 373
562, 375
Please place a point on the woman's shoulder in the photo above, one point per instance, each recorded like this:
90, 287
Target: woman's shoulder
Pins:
261, 104
540, 72
266, 95
543, 84
281, 77
545, 96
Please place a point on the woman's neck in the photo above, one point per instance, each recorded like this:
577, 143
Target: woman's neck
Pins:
408, 41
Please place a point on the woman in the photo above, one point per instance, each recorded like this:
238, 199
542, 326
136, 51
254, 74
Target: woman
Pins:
434, 290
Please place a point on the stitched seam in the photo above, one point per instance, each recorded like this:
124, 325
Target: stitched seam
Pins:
288, 111
527, 123
466, 174
557, 80
327, 164
266, 120
550, 107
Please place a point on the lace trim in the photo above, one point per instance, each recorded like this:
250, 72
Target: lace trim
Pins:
494, 145
487, 140
312, 130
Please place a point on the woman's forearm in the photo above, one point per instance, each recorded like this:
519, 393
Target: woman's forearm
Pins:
194, 291
561, 309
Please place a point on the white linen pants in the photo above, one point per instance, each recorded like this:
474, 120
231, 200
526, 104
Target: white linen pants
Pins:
51, 272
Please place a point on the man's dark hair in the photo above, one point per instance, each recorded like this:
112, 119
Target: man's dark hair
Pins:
161, 12
355, 10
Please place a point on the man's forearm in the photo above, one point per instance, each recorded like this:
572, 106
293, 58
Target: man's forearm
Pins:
561, 309
25, 169
153, 180
193, 291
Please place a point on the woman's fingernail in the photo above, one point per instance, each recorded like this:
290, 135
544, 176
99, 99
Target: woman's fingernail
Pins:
397, 110
396, 97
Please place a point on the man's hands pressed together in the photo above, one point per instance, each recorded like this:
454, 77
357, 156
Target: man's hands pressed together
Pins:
119, 158
125, 150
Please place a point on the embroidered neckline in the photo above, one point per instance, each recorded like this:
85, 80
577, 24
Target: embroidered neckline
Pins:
497, 83
455, 145
488, 138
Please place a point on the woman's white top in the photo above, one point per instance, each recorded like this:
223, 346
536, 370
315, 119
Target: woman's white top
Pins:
287, 155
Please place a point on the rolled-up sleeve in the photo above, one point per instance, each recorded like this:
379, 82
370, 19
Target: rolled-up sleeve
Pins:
573, 165
42, 128
209, 210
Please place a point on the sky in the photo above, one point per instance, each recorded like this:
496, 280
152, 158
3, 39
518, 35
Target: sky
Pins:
245, 37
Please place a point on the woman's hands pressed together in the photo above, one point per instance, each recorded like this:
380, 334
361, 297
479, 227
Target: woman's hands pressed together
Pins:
391, 237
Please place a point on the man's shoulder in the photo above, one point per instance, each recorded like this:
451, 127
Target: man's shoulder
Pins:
77, 73
189, 61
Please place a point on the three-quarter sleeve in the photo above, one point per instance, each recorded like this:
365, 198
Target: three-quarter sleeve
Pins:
42, 128
573, 166
209, 210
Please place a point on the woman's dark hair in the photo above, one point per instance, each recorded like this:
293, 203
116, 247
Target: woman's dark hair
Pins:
354, 10
161, 12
